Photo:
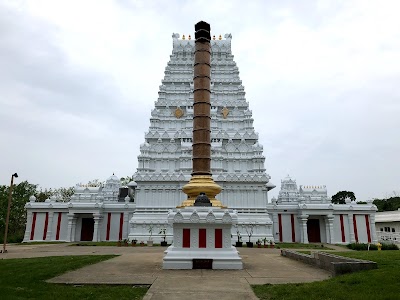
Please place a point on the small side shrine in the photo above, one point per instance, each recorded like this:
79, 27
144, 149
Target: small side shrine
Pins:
202, 239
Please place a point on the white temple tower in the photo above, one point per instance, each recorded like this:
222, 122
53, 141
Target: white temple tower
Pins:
165, 161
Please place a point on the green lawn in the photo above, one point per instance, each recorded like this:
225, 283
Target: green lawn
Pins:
382, 283
39, 243
114, 244
301, 246
25, 279
95, 244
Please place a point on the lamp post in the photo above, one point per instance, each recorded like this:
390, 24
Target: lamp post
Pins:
8, 212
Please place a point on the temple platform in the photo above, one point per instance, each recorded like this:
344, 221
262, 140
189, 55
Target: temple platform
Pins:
218, 259
202, 239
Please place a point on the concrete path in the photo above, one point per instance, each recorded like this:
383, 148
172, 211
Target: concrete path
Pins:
143, 266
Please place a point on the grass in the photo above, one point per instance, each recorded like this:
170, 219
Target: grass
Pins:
301, 246
113, 244
342, 245
39, 243
382, 283
25, 279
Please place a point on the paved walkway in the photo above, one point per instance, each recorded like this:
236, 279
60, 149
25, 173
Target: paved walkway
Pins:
143, 266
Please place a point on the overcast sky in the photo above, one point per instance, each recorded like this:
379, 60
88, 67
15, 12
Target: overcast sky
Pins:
78, 80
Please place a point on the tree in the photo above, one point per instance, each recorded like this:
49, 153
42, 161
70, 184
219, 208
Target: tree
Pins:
340, 197
126, 180
392, 203
20, 195
95, 182
249, 230
62, 194
42, 195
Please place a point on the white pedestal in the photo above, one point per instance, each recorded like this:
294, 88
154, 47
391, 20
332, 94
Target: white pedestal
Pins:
202, 233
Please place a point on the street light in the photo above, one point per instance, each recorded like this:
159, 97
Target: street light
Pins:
8, 212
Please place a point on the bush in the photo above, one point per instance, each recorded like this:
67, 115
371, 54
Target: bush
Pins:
390, 247
13, 238
361, 246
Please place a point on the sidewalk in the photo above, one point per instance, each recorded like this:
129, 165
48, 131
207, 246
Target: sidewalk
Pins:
143, 266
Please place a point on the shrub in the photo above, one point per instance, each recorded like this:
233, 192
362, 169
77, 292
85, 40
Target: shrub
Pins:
390, 247
12, 238
361, 246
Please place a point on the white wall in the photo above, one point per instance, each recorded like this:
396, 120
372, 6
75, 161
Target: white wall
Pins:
63, 227
286, 228
39, 227
395, 225
362, 229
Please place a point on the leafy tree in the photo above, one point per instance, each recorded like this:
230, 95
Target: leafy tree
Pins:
20, 195
62, 194
392, 203
340, 197
126, 180
43, 195
95, 182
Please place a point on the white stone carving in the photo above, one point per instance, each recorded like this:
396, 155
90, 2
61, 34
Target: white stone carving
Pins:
194, 218
178, 217
210, 217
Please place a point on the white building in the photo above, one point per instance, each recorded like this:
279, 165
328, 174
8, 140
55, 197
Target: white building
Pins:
306, 214
164, 166
95, 213
388, 226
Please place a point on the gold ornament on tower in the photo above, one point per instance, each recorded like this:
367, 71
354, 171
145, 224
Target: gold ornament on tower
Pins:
225, 112
178, 112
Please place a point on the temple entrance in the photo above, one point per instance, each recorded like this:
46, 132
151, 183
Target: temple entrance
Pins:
87, 229
313, 231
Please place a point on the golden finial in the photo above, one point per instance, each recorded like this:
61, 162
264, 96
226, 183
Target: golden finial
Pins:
214, 37
183, 37
220, 37
189, 37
